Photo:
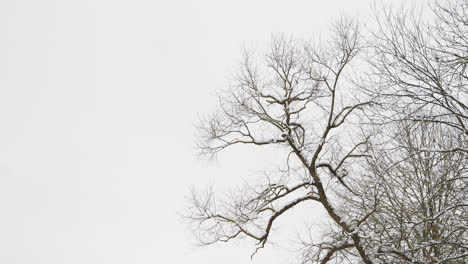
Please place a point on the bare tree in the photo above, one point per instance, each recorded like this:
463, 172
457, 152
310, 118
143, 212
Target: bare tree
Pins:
418, 165
386, 163
301, 101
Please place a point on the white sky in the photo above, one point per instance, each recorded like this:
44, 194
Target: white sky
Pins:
97, 104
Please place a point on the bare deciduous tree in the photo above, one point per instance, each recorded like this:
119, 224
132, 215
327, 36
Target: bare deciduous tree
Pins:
386, 163
300, 102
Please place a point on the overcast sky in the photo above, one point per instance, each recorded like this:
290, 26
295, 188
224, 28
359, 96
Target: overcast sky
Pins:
97, 104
